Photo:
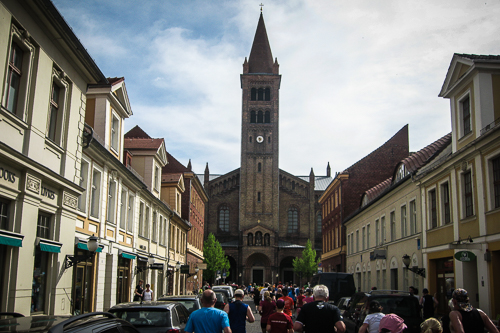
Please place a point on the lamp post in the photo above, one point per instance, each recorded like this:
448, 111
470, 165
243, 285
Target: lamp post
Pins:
92, 246
414, 269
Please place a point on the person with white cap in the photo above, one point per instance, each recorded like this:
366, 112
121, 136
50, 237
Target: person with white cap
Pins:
239, 313
465, 319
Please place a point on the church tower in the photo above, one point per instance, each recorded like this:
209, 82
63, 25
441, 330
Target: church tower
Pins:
259, 173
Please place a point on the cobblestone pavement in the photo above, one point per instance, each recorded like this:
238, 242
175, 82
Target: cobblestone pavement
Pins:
255, 326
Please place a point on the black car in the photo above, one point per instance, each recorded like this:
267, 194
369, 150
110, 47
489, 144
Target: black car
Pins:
226, 292
221, 301
152, 317
398, 302
191, 302
94, 322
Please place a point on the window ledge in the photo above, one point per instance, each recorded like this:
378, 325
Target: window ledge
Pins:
468, 219
465, 137
14, 120
439, 227
493, 211
54, 146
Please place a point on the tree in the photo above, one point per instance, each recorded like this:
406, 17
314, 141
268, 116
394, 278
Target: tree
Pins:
215, 258
306, 266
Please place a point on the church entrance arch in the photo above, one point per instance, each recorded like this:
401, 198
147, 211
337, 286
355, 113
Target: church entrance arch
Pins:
258, 268
232, 275
286, 273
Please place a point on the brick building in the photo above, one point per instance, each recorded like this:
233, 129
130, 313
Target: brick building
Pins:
262, 215
343, 195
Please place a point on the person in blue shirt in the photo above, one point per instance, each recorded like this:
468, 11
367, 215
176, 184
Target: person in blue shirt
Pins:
208, 319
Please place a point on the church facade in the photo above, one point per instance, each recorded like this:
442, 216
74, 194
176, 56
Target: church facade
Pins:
263, 216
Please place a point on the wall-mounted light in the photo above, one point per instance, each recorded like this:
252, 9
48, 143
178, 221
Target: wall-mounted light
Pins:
92, 246
196, 270
414, 269
151, 261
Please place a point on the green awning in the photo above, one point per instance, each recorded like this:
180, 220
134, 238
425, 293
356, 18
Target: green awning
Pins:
83, 246
50, 247
128, 256
11, 241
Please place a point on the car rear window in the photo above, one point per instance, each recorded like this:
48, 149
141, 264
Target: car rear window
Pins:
402, 306
144, 317
190, 305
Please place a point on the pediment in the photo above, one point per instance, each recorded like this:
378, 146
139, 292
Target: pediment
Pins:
161, 154
257, 228
459, 68
120, 92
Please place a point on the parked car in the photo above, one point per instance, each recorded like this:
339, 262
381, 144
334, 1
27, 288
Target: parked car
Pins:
222, 299
228, 288
191, 302
225, 292
152, 317
93, 322
392, 301
342, 304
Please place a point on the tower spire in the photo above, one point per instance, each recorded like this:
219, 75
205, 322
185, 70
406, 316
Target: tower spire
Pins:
261, 58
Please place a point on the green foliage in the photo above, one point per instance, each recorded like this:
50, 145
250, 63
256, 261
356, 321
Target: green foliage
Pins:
215, 258
306, 266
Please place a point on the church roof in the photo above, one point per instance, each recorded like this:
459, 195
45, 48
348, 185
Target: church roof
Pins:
320, 182
261, 58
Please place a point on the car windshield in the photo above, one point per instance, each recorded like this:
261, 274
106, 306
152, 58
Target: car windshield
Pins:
190, 305
402, 306
144, 317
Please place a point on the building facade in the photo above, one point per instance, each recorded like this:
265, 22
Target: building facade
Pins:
262, 215
41, 120
343, 196
461, 191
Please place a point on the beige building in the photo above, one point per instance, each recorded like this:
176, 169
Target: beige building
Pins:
41, 120
387, 227
461, 192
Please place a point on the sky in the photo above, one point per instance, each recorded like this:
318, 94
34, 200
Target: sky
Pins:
353, 72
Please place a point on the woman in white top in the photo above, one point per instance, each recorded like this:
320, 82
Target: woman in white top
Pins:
372, 320
147, 294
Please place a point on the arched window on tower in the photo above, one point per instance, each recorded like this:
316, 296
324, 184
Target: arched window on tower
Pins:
253, 118
267, 240
267, 117
293, 220
259, 167
260, 96
250, 139
267, 93
260, 117
253, 94
250, 239
258, 238
224, 218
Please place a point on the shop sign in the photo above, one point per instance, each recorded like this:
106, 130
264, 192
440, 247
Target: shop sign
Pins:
48, 193
7, 175
465, 256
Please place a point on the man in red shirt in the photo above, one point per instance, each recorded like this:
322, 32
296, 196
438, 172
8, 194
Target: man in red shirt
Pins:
279, 322
289, 305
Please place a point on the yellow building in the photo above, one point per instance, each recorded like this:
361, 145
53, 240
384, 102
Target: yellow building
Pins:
461, 191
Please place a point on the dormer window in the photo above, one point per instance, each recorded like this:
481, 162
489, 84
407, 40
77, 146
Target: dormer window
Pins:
465, 110
115, 131
401, 173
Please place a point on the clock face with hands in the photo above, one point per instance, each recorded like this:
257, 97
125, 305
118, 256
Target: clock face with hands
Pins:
259, 139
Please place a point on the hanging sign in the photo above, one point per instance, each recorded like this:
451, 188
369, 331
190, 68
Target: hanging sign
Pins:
465, 256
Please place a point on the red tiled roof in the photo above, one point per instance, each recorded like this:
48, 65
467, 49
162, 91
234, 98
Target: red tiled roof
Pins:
173, 165
137, 132
138, 143
171, 177
417, 160
378, 189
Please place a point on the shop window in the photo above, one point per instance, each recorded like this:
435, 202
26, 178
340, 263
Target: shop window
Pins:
39, 285
4, 214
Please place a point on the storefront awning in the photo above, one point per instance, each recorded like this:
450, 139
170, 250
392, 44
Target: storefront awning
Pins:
127, 255
11, 238
83, 246
141, 258
50, 246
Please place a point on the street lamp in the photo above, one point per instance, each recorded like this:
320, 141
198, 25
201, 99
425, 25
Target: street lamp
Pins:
92, 246
414, 269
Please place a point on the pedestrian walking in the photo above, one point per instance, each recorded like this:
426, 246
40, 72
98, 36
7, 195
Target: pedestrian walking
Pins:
239, 313
267, 308
147, 294
428, 303
279, 322
431, 325
208, 319
391, 323
289, 306
309, 296
138, 291
319, 315
256, 298
372, 320
465, 319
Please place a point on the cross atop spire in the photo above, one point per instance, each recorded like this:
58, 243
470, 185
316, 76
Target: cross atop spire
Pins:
261, 5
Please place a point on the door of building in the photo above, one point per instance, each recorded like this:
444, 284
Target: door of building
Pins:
445, 282
83, 286
394, 279
123, 283
258, 276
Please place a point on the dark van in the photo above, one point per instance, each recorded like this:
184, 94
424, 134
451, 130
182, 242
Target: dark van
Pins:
339, 284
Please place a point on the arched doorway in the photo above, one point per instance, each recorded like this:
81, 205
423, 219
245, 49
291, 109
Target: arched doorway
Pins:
286, 273
258, 269
232, 275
